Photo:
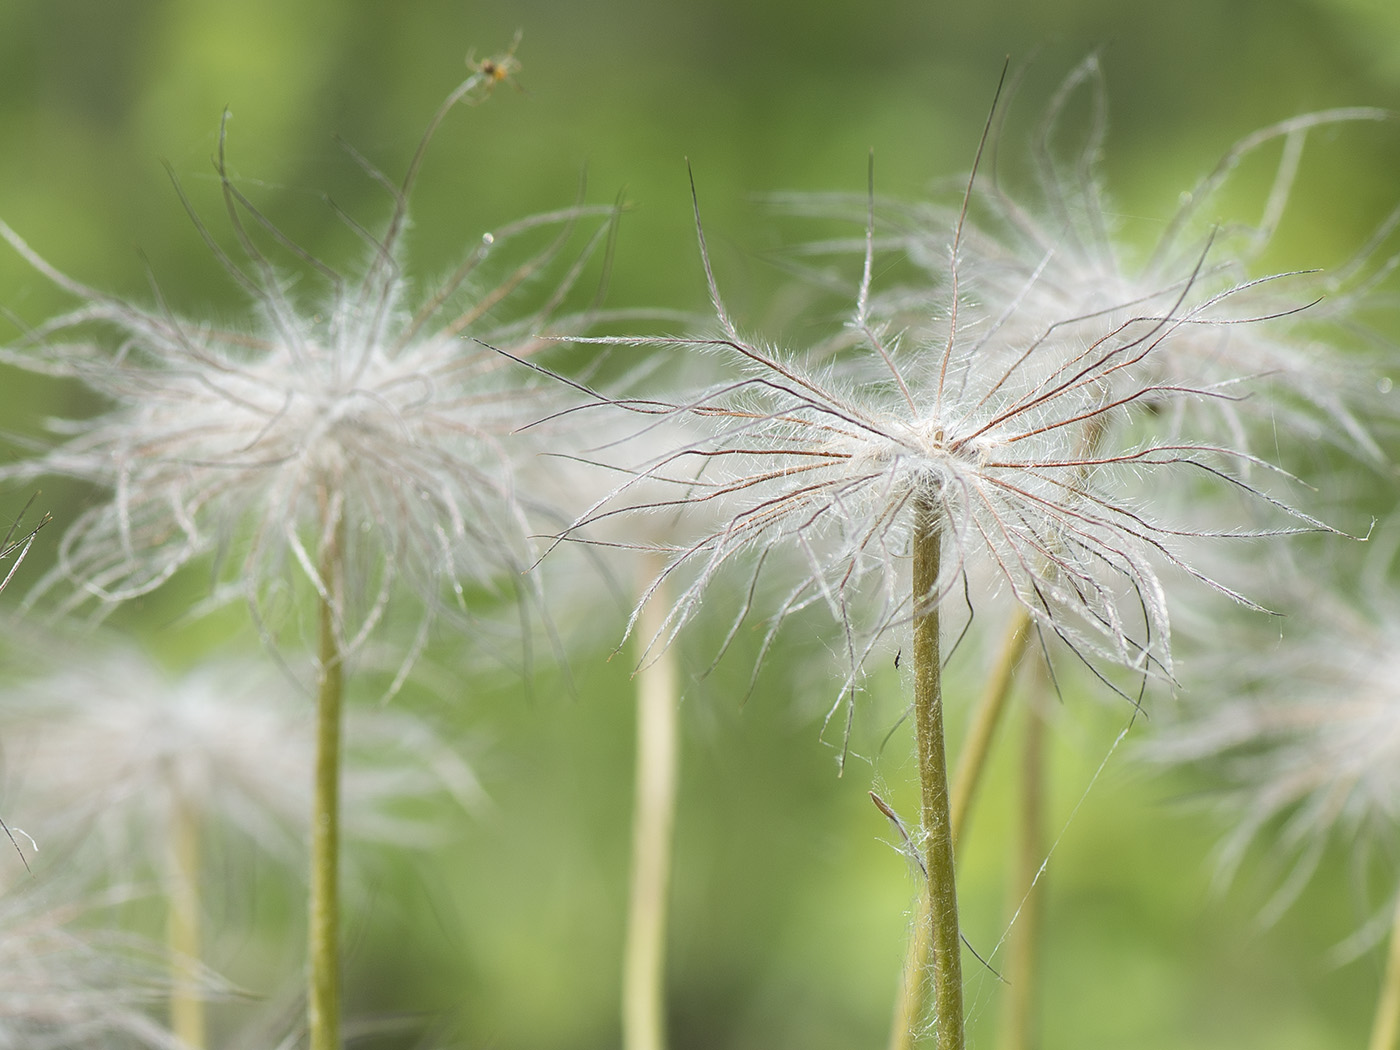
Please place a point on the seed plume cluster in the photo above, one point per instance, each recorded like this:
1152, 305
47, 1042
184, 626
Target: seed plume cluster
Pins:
370, 409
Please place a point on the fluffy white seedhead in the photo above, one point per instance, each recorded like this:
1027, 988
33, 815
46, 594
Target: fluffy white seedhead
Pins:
369, 415
1301, 734
1050, 263
1053, 264
106, 748
1005, 428
68, 984
617, 559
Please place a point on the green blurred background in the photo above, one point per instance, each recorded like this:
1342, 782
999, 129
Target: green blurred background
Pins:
789, 902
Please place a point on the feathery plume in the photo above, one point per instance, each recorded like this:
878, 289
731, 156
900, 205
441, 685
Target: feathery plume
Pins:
348, 444
367, 407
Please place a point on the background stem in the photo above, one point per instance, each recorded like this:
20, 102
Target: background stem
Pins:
1385, 1031
986, 718
913, 994
944, 938
1027, 890
654, 810
183, 927
323, 992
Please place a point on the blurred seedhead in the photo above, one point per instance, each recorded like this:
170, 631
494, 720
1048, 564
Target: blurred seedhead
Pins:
107, 749
353, 405
1298, 732
69, 981
1049, 266
593, 462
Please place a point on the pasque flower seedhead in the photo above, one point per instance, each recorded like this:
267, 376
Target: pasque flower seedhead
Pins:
1303, 739
367, 409
1000, 428
68, 984
1053, 262
114, 750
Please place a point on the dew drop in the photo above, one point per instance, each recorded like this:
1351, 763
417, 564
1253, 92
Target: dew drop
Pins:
1384, 384
488, 238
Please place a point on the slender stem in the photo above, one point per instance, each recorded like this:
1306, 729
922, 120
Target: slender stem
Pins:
186, 998
323, 993
1028, 890
1385, 1032
644, 966
972, 761
913, 994
944, 938
986, 718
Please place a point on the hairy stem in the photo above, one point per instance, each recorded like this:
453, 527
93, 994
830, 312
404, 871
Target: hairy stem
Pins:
653, 818
323, 992
1385, 1031
1027, 890
945, 942
186, 998
986, 719
972, 761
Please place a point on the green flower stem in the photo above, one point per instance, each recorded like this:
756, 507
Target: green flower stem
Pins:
971, 762
186, 997
1385, 1032
942, 925
1027, 890
653, 820
986, 719
323, 992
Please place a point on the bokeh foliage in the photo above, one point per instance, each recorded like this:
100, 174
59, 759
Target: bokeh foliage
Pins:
789, 910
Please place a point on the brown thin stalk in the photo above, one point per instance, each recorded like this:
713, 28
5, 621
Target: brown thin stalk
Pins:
653, 819
183, 927
1385, 1031
941, 889
323, 990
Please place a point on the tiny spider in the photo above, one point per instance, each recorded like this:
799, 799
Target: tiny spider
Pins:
497, 68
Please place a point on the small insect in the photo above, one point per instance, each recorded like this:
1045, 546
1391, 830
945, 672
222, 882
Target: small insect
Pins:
897, 655
497, 68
